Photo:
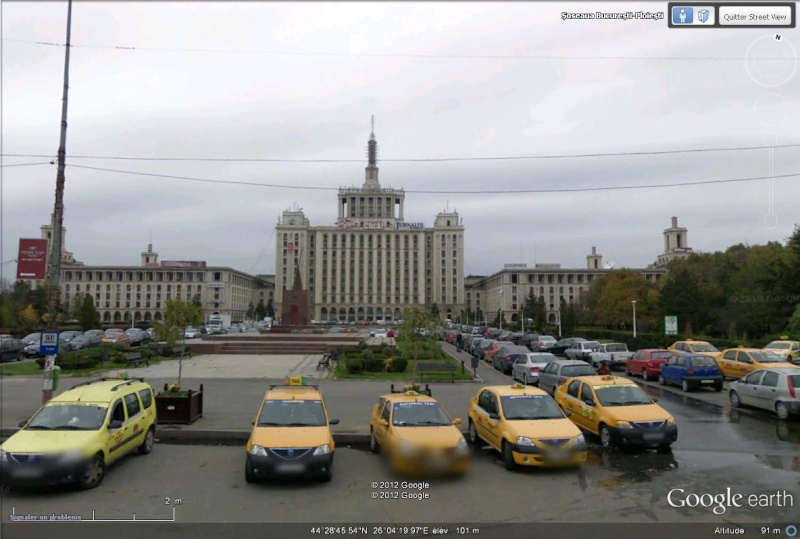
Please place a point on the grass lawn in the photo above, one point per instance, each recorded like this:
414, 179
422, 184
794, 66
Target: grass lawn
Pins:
22, 368
340, 373
30, 368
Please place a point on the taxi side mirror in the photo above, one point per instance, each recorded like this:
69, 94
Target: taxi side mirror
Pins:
22, 423
588, 402
457, 421
383, 423
333, 422
494, 416
115, 425
654, 400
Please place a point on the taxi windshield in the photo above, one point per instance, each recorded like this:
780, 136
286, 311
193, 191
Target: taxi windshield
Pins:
419, 414
777, 345
530, 407
766, 357
292, 413
703, 348
68, 417
622, 395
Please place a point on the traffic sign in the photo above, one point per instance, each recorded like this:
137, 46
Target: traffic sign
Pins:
49, 343
670, 325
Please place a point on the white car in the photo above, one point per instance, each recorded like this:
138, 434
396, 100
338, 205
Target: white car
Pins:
380, 333
191, 333
527, 366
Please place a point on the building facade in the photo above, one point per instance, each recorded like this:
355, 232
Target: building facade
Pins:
507, 290
372, 264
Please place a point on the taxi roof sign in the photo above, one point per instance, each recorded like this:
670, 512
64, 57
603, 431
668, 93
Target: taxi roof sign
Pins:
517, 386
297, 381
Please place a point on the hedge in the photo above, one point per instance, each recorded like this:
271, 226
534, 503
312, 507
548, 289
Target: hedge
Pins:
90, 357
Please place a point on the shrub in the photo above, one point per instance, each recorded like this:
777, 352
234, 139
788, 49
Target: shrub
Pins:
79, 362
375, 364
397, 364
353, 365
367, 355
387, 351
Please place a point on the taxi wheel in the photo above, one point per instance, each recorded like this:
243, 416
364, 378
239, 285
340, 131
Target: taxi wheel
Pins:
149, 440
508, 457
782, 410
373, 442
736, 402
327, 476
248, 474
473, 434
95, 471
605, 437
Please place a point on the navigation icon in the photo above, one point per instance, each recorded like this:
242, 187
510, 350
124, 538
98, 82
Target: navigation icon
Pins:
702, 15
683, 15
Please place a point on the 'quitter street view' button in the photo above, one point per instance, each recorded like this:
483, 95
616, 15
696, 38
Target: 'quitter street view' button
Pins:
755, 15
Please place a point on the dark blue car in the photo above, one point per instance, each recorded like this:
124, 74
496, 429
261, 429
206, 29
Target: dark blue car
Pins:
691, 372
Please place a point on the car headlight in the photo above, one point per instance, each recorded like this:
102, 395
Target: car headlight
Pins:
324, 449
258, 451
3, 456
524, 440
623, 425
580, 442
462, 446
671, 421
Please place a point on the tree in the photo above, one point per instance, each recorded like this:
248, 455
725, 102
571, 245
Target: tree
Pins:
435, 310
261, 309
498, 319
609, 299
529, 305
251, 311
196, 301
540, 314
177, 317
77, 305
414, 320
680, 296
28, 319
567, 314
270, 309
794, 323
88, 317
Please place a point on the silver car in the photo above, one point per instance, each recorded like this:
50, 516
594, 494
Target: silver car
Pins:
776, 390
527, 366
557, 372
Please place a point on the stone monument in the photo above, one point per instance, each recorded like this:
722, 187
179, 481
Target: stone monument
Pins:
296, 304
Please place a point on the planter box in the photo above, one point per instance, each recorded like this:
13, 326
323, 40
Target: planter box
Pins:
175, 410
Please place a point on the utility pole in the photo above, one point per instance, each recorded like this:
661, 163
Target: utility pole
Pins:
58, 219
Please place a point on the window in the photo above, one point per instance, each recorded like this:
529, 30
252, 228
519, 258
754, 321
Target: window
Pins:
132, 404
730, 355
754, 378
119, 412
586, 395
572, 390
147, 398
770, 379
744, 358
386, 411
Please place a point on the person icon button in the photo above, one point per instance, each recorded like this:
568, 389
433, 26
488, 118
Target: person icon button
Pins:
682, 15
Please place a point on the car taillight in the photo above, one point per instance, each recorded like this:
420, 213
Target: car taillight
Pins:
534, 369
562, 380
790, 385
690, 371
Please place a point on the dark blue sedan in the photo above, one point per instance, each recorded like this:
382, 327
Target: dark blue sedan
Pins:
691, 372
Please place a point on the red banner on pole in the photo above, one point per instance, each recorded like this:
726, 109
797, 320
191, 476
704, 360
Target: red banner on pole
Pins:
32, 259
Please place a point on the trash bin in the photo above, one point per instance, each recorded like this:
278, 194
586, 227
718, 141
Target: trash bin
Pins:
56, 377
475, 362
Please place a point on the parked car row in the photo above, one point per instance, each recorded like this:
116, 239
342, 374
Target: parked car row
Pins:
74, 340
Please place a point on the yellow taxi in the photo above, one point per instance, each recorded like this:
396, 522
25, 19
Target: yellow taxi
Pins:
739, 362
75, 436
689, 346
618, 411
788, 349
291, 434
526, 426
417, 434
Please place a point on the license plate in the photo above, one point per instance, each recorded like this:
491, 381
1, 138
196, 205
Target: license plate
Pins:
558, 455
290, 468
707, 382
652, 436
28, 472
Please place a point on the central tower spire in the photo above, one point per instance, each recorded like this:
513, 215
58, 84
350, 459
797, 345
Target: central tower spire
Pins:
371, 176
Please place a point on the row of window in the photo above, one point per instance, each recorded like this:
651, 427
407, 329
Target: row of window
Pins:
115, 276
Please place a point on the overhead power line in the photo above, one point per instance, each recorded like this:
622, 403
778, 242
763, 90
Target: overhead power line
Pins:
459, 192
395, 55
27, 164
416, 160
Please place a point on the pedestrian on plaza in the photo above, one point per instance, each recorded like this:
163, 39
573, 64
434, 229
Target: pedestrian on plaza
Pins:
603, 369
459, 342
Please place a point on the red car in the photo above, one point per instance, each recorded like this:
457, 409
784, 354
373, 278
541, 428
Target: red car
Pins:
647, 363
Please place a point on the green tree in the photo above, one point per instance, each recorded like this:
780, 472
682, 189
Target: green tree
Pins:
29, 320
679, 296
540, 314
610, 297
177, 317
529, 305
196, 301
88, 317
414, 320
499, 319
567, 314
435, 310
270, 309
794, 323
76, 306
251, 311
261, 309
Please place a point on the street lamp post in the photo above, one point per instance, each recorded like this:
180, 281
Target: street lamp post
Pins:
633, 302
501, 309
558, 321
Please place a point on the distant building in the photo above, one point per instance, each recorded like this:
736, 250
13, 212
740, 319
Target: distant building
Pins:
676, 245
371, 264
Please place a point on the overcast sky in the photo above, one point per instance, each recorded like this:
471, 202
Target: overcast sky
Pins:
451, 80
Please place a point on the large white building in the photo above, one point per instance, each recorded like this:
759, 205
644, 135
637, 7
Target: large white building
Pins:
507, 290
372, 264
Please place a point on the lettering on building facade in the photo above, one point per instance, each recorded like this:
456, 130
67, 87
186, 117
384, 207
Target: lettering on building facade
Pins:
401, 226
